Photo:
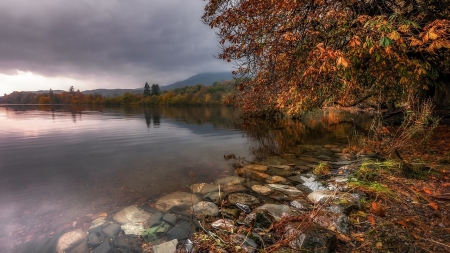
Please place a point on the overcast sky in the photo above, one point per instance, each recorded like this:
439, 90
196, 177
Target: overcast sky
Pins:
103, 43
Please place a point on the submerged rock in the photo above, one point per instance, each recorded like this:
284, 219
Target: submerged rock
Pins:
289, 190
215, 197
70, 240
281, 170
131, 214
274, 160
180, 200
242, 198
181, 231
205, 208
204, 188
275, 180
251, 174
230, 180
234, 188
97, 223
133, 228
256, 167
261, 189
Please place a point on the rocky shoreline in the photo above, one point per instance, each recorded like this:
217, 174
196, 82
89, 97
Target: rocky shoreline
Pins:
246, 207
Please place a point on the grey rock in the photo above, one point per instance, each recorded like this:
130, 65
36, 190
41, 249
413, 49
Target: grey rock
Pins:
94, 240
111, 230
275, 180
124, 243
170, 218
242, 198
80, 248
166, 247
301, 204
205, 209
179, 200
296, 178
97, 223
333, 221
181, 231
131, 214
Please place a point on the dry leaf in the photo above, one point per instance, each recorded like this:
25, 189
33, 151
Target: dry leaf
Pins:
103, 214
402, 223
427, 191
377, 209
371, 220
433, 205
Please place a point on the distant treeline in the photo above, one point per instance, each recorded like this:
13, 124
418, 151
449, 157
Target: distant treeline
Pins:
218, 93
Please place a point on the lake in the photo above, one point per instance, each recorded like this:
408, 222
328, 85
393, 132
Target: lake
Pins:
61, 166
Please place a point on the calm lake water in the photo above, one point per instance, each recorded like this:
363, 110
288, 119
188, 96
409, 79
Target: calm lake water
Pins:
61, 166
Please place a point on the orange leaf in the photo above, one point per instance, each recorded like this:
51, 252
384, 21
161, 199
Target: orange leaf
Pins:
372, 220
403, 223
427, 191
433, 205
377, 209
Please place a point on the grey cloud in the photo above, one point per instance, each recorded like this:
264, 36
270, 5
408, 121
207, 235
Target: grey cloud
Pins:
127, 40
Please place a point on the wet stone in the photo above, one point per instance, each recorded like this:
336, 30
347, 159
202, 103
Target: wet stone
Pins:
204, 188
131, 214
275, 180
314, 239
289, 190
205, 209
242, 198
230, 180
170, 218
250, 184
124, 243
256, 167
69, 240
105, 247
274, 160
277, 211
234, 188
133, 228
251, 174
181, 231
301, 204
166, 247
281, 170
179, 200
230, 212
156, 219
296, 178
215, 197
111, 230
261, 189
94, 240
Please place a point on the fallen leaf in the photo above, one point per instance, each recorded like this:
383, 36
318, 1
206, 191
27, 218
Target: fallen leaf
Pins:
103, 214
433, 205
402, 223
343, 238
427, 191
377, 209
371, 220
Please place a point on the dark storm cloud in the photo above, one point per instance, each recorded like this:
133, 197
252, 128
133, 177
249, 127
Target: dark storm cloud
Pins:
134, 40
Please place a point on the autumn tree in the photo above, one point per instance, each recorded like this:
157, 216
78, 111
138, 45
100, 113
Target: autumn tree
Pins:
296, 55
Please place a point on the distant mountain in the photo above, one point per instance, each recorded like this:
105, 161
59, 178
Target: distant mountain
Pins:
207, 79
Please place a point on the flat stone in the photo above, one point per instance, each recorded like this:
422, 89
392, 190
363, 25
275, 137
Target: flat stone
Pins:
131, 214
170, 218
166, 247
234, 188
274, 160
333, 221
261, 189
278, 211
179, 200
275, 180
289, 190
251, 174
249, 184
69, 240
256, 167
111, 230
181, 231
230, 180
133, 228
301, 204
156, 219
204, 188
204, 208
242, 198
223, 224
312, 184
215, 197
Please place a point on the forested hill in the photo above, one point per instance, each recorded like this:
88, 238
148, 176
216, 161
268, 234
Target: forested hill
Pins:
206, 79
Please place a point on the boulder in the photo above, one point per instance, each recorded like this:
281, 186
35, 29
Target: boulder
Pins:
155, 220
204, 208
301, 204
166, 247
230, 180
311, 183
170, 218
296, 178
70, 240
181, 231
179, 200
261, 189
131, 214
105, 247
242, 198
111, 230
204, 188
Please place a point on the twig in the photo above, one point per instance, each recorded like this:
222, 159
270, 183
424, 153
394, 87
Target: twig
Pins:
442, 244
